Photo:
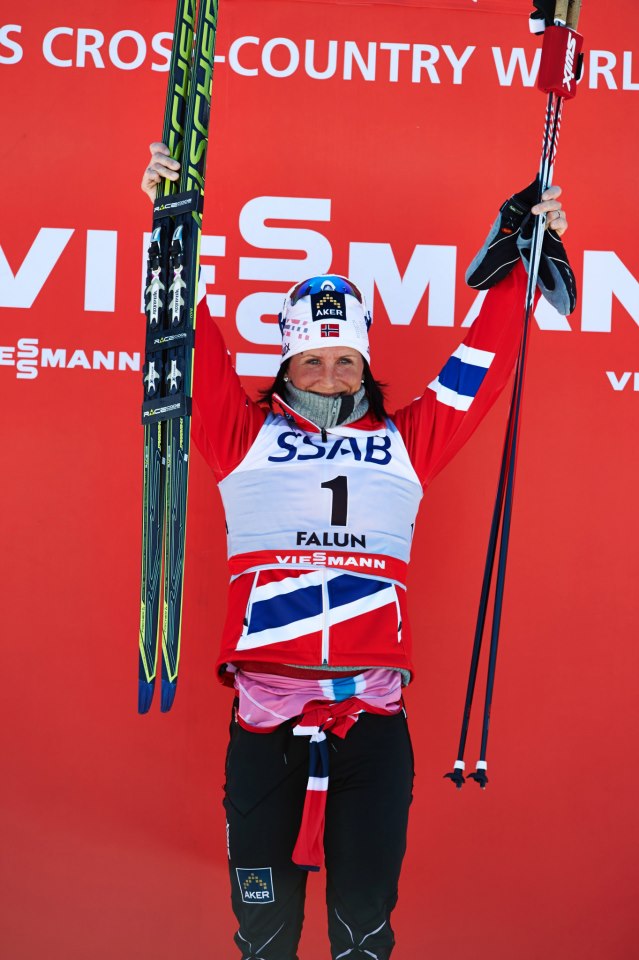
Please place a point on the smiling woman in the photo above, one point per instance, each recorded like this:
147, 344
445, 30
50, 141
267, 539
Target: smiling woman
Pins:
321, 488
332, 372
324, 368
286, 383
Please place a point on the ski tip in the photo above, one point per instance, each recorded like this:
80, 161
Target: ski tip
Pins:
168, 695
145, 695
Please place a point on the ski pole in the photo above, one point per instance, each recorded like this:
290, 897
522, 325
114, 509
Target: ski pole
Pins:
559, 80
558, 77
457, 773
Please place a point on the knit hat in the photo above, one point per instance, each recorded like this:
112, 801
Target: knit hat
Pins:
325, 311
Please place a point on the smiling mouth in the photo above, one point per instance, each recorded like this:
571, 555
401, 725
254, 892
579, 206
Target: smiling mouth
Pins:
330, 396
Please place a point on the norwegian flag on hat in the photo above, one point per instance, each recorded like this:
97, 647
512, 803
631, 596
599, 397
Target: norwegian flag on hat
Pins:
330, 330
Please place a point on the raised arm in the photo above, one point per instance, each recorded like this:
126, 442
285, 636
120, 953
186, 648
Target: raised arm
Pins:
225, 419
437, 424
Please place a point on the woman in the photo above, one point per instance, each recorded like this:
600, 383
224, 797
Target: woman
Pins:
321, 489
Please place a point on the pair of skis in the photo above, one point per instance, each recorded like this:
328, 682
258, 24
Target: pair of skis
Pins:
558, 76
170, 306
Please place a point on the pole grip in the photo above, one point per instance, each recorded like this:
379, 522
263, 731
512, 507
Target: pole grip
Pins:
559, 61
574, 8
561, 10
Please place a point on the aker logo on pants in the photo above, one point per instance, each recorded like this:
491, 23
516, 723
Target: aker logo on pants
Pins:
256, 884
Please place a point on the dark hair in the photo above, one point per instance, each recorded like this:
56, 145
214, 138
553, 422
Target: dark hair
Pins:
374, 390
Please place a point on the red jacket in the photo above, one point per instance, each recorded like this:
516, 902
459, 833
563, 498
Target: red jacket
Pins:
313, 592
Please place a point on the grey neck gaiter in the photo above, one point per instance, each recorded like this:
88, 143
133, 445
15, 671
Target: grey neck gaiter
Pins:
326, 411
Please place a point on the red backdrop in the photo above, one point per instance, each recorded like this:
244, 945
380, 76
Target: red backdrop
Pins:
113, 831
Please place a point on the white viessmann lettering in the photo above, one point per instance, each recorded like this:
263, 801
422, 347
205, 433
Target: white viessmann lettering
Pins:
28, 358
318, 558
608, 284
619, 381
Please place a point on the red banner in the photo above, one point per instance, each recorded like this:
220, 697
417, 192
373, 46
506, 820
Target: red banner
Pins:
375, 140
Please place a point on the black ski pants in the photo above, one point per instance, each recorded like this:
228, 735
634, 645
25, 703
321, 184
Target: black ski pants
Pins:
370, 790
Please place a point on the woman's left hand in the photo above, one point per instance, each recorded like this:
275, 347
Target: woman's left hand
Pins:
551, 206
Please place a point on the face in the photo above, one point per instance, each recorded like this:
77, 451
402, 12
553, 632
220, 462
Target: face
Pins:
327, 370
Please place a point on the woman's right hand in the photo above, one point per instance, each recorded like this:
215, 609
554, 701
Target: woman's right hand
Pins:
162, 165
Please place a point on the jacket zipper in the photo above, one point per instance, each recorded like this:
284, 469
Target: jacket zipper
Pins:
325, 612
